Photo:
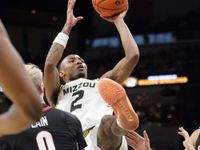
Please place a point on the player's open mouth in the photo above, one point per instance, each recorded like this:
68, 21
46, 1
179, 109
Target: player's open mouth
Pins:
80, 67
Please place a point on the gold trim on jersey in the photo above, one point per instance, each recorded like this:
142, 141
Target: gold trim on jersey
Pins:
87, 131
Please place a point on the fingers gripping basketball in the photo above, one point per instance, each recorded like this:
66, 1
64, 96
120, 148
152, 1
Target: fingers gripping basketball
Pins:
108, 8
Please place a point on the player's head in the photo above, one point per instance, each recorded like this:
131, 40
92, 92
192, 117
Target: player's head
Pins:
72, 67
36, 75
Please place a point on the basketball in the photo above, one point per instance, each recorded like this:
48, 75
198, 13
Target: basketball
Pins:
109, 8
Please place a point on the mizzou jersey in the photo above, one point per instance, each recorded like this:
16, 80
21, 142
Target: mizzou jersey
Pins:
198, 143
56, 130
81, 98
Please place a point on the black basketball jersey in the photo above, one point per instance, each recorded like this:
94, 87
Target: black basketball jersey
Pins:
198, 143
56, 130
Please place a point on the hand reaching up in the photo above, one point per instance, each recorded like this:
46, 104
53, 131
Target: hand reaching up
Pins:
138, 142
187, 143
71, 19
114, 19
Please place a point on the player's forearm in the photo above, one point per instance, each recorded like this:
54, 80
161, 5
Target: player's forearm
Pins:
54, 55
13, 121
189, 147
67, 29
57, 49
14, 75
128, 42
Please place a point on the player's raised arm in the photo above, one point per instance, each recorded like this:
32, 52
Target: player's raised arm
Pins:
187, 143
137, 142
18, 87
51, 74
126, 65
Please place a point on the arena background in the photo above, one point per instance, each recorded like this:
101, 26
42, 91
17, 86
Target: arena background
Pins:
168, 35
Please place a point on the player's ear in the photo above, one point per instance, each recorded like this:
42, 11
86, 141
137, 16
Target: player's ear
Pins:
62, 74
40, 88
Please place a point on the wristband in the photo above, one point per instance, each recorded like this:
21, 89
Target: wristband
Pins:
61, 39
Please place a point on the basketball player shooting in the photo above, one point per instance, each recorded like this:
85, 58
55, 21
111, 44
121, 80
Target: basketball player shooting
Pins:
89, 99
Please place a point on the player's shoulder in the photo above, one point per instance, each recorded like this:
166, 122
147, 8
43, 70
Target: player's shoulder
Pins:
68, 116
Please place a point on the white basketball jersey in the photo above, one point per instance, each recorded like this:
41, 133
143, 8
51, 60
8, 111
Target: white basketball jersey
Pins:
81, 98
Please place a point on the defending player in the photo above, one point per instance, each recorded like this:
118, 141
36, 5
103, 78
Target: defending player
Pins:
18, 87
56, 129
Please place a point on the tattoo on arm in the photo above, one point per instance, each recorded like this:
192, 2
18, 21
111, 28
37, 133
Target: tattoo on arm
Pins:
67, 29
53, 49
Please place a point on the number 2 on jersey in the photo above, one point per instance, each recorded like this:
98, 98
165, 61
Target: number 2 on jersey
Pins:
79, 95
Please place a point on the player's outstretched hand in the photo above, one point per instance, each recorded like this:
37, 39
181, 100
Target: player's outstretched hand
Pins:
71, 19
137, 142
187, 143
116, 18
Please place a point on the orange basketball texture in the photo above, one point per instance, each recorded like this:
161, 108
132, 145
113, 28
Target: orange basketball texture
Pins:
108, 8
